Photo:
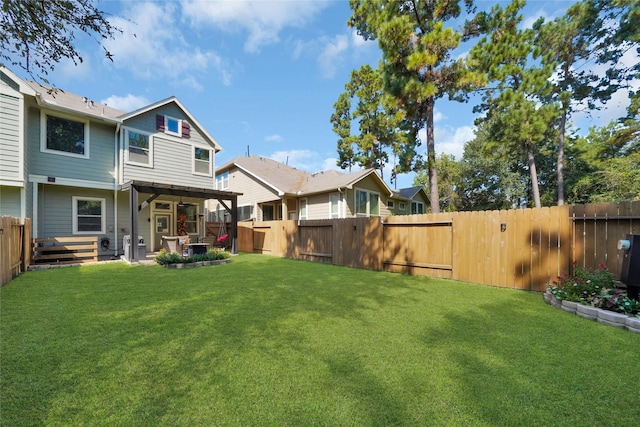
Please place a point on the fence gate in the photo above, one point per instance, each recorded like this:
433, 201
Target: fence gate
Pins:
415, 246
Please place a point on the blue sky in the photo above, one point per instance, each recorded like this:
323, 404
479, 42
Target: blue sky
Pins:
261, 76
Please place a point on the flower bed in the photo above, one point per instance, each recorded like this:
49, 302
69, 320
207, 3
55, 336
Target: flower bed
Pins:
213, 256
594, 296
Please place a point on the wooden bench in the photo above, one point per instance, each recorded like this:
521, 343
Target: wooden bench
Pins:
64, 250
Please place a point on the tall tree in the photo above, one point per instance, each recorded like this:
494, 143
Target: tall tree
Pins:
378, 121
585, 34
511, 101
491, 174
417, 66
36, 35
449, 181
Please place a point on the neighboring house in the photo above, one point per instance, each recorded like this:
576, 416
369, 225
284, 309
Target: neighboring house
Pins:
408, 201
272, 191
71, 165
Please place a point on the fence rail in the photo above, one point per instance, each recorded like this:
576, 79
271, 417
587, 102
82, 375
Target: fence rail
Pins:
522, 249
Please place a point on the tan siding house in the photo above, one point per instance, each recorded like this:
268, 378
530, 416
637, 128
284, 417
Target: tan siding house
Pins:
271, 191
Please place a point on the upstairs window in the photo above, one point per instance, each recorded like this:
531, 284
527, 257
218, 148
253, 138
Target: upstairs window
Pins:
138, 147
202, 161
222, 181
62, 135
173, 126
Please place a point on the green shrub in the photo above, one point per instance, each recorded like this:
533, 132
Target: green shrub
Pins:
164, 257
617, 300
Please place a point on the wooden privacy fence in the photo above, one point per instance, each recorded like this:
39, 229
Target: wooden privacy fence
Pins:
522, 249
15, 237
65, 250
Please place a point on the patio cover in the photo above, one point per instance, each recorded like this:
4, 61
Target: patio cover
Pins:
157, 189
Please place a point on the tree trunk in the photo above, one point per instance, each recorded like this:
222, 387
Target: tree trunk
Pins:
531, 161
560, 165
431, 158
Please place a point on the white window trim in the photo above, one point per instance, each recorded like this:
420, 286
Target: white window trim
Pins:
222, 187
43, 134
391, 204
194, 160
369, 193
402, 206
166, 126
125, 136
338, 208
306, 205
74, 214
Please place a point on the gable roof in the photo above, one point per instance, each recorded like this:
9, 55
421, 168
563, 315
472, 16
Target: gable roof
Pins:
408, 193
61, 100
285, 179
172, 100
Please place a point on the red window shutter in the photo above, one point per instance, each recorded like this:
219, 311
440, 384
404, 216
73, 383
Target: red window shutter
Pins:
160, 122
186, 129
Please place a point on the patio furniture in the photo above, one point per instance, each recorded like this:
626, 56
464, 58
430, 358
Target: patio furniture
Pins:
174, 244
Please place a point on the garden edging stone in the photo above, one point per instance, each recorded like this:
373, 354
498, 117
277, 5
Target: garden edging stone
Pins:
605, 317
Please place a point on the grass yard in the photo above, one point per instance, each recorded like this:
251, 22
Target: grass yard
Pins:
269, 341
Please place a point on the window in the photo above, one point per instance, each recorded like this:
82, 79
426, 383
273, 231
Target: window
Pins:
202, 161
303, 209
222, 181
64, 136
88, 215
138, 147
367, 203
334, 206
187, 219
390, 204
402, 206
417, 207
172, 126
267, 213
245, 212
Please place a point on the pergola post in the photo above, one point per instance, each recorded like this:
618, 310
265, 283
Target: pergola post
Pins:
234, 221
133, 210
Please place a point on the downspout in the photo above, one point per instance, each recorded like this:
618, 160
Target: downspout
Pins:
116, 175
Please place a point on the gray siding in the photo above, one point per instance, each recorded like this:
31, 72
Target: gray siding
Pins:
10, 201
55, 211
10, 138
172, 155
98, 167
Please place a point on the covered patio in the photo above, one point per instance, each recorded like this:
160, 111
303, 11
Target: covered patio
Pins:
135, 188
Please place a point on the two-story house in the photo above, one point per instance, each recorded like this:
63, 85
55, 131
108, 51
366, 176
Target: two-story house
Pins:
272, 190
77, 167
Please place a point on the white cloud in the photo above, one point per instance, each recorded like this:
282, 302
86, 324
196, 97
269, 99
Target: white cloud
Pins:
263, 20
274, 138
152, 45
332, 55
307, 160
357, 41
330, 163
449, 140
125, 103
438, 116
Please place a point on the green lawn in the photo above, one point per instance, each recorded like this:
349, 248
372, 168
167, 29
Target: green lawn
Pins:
269, 341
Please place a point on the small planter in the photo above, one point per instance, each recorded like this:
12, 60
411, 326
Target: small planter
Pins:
633, 324
611, 318
587, 311
569, 306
